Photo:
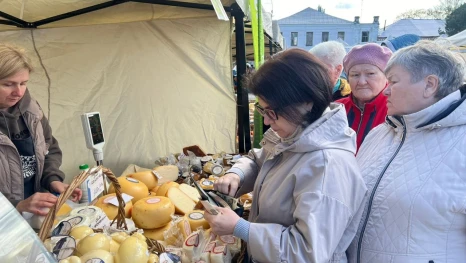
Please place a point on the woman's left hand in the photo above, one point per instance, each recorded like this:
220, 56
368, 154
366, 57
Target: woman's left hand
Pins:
224, 222
60, 187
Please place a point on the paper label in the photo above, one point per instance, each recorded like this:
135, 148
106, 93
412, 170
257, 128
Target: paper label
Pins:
132, 180
157, 175
100, 221
207, 183
228, 239
94, 260
62, 229
64, 246
95, 186
196, 216
114, 199
153, 200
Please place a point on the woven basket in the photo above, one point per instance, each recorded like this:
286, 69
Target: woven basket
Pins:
77, 181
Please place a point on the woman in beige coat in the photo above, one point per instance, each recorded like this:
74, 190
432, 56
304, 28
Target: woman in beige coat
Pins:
306, 185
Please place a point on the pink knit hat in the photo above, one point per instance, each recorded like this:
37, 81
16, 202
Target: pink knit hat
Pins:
371, 53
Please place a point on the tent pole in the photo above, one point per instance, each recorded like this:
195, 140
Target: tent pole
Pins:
270, 47
242, 95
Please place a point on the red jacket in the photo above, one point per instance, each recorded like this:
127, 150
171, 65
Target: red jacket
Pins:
374, 113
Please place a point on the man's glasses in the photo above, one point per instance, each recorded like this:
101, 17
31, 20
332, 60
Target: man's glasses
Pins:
271, 114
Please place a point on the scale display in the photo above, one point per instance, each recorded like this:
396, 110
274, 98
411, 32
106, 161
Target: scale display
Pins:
96, 128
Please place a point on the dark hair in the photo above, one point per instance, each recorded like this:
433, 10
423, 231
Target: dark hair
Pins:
291, 78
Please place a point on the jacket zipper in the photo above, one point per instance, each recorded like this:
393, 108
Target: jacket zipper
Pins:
366, 219
360, 119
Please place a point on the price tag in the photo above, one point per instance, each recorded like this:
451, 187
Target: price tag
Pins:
157, 175
95, 186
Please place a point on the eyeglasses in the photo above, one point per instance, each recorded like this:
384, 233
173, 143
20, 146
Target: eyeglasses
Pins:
271, 114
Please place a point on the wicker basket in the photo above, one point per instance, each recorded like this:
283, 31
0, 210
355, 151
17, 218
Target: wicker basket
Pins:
77, 181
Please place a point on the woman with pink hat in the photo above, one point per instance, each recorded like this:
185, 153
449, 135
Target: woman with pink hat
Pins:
366, 107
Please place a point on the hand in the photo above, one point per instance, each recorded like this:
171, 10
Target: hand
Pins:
224, 222
60, 187
227, 184
38, 204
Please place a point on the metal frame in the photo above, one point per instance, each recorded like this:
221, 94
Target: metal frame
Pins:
242, 95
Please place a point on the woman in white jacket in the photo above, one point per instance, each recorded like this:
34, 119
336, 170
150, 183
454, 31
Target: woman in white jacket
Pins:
306, 184
414, 164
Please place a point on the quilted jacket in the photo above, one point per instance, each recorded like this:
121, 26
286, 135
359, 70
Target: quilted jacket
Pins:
415, 170
306, 193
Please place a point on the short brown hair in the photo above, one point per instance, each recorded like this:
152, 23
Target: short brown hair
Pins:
12, 60
289, 79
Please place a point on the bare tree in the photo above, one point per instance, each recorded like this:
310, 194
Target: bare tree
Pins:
440, 11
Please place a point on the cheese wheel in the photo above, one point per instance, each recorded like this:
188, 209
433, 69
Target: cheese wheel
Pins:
104, 256
147, 177
191, 192
132, 250
93, 242
80, 232
153, 212
155, 188
206, 184
183, 204
114, 246
157, 233
132, 187
163, 189
119, 237
196, 219
111, 210
167, 173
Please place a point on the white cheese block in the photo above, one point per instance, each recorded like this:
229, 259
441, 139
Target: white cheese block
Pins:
167, 173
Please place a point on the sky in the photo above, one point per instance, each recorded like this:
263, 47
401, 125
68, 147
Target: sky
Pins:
348, 9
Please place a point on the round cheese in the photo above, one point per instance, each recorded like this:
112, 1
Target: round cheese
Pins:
93, 242
157, 233
119, 236
147, 177
196, 220
153, 258
132, 250
104, 256
72, 259
163, 189
80, 232
111, 210
153, 212
132, 187
114, 246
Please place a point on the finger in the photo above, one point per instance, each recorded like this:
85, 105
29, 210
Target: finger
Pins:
39, 212
46, 197
233, 188
44, 204
217, 184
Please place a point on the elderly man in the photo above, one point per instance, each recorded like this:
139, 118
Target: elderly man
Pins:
331, 53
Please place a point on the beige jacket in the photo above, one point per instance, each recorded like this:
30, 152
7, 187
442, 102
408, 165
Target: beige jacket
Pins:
47, 151
305, 193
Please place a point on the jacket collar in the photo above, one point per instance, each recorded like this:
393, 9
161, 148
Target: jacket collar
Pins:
378, 101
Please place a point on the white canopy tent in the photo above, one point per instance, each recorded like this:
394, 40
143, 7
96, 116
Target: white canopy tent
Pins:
458, 39
160, 76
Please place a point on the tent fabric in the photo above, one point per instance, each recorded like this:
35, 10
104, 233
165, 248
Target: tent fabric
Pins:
159, 85
458, 39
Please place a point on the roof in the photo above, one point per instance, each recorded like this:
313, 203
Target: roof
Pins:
310, 16
420, 27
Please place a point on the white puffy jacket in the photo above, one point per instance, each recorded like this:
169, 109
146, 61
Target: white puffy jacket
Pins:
415, 169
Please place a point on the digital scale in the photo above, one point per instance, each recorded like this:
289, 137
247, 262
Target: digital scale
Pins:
94, 135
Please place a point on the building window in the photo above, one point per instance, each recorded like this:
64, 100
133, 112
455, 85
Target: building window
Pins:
309, 38
294, 38
324, 36
365, 36
341, 35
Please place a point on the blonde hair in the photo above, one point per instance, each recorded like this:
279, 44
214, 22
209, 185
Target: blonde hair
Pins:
12, 60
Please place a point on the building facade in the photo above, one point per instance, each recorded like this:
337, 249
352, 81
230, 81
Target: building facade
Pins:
310, 27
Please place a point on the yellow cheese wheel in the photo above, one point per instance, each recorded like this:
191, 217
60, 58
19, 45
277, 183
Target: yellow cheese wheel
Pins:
163, 189
132, 187
119, 237
105, 256
196, 220
110, 210
155, 188
147, 177
132, 250
153, 212
80, 232
93, 242
157, 233
183, 204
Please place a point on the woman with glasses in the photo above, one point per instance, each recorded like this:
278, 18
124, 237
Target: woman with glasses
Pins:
306, 185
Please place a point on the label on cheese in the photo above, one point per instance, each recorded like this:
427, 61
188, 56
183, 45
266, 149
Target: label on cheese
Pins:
64, 246
132, 180
157, 175
228, 239
217, 170
62, 229
193, 240
108, 199
95, 260
153, 200
187, 228
196, 216
207, 182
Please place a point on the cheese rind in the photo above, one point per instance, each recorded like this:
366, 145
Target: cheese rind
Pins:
163, 189
153, 212
132, 250
147, 177
132, 187
196, 220
111, 210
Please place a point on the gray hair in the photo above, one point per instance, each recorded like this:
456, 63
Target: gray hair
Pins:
431, 58
330, 52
